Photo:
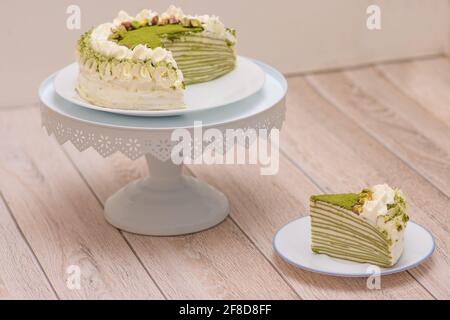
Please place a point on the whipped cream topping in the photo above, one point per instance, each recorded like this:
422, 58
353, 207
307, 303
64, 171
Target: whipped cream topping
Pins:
141, 52
214, 25
376, 210
173, 11
122, 16
145, 14
100, 35
122, 94
100, 43
163, 76
381, 197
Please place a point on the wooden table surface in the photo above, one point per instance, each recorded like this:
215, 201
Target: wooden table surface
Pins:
344, 130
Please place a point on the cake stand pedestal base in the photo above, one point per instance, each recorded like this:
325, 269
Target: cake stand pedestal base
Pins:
166, 203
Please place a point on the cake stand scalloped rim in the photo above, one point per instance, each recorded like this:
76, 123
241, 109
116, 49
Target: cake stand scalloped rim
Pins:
135, 142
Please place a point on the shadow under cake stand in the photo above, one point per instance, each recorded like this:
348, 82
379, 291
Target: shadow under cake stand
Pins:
166, 202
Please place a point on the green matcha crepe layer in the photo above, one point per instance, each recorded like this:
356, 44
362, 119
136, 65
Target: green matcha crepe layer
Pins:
144, 62
201, 58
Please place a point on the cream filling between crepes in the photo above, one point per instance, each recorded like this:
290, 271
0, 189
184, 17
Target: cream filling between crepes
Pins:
144, 78
127, 94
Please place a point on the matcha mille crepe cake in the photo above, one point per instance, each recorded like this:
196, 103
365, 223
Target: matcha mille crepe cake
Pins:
366, 227
144, 62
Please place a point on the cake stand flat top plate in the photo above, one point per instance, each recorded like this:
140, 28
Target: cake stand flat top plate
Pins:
272, 93
292, 243
245, 80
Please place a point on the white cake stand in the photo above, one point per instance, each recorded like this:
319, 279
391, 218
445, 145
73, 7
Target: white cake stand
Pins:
166, 202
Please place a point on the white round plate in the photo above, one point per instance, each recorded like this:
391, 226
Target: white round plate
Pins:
292, 243
245, 80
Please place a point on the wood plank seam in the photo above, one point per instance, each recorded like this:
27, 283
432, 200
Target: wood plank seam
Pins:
20, 106
371, 87
428, 82
383, 74
319, 117
286, 203
65, 229
9, 210
234, 221
169, 284
257, 247
136, 254
299, 167
267, 259
362, 66
120, 231
322, 96
318, 90
422, 285
139, 258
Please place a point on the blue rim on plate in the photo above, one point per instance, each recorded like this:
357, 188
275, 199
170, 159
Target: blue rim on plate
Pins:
384, 271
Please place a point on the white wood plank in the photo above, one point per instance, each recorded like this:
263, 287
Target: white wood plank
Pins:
61, 218
391, 128
20, 274
216, 264
375, 84
426, 81
262, 204
341, 157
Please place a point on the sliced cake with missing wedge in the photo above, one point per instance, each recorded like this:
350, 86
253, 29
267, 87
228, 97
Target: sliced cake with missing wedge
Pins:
144, 62
366, 227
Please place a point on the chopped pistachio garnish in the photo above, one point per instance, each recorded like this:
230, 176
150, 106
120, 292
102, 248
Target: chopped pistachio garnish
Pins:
186, 22
136, 24
195, 23
232, 31
364, 196
357, 208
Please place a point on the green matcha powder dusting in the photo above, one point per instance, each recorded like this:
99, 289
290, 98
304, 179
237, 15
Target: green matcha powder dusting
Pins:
151, 35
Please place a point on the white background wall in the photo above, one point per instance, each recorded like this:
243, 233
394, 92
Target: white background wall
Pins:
293, 35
